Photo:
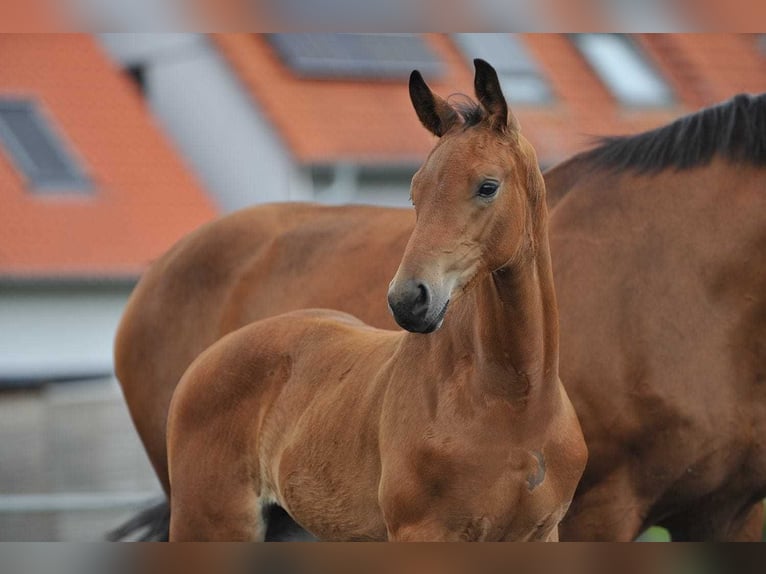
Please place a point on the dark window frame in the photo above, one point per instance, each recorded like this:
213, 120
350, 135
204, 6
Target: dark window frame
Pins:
352, 62
138, 73
71, 179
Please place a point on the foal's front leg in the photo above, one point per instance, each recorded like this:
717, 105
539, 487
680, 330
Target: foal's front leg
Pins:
425, 506
424, 519
420, 533
433, 530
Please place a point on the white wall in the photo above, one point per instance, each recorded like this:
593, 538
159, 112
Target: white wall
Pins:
58, 332
212, 119
216, 125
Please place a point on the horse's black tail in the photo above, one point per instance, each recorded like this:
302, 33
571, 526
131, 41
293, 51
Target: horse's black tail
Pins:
282, 528
150, 525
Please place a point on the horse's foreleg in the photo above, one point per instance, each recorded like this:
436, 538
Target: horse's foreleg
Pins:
608, 512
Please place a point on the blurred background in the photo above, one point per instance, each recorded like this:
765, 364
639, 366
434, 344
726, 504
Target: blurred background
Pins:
114, 145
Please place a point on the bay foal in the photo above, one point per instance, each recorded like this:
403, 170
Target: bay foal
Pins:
465, 433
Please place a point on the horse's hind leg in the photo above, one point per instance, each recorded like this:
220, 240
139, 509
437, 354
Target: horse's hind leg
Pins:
750, 526
215, 492
718, 524
200, 521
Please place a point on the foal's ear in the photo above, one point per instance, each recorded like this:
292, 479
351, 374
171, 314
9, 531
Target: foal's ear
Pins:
434, 112
487, 86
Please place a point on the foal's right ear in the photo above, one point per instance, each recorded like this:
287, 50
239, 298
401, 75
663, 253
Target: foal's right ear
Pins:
434, 112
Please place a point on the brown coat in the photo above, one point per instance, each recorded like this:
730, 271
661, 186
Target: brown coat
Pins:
661, 282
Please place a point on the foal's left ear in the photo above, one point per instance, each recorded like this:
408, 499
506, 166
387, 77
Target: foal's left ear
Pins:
487, 87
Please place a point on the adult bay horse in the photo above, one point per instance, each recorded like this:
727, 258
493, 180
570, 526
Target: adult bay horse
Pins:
659, 251
456, 429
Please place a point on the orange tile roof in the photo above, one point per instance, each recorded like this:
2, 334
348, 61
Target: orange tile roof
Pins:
735, 15
549, 15
325, 121
144, 198
33, 16
711, 67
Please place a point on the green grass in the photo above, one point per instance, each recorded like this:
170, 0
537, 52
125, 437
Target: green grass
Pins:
654, 534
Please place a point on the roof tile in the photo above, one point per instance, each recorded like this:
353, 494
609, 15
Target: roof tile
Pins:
327, 121
143, 197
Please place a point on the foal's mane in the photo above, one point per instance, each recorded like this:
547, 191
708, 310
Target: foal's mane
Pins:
735, 129
471, 112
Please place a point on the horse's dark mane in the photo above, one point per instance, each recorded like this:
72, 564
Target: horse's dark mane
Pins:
735, 129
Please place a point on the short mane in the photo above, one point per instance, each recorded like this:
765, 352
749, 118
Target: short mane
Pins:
471, 112
735, 129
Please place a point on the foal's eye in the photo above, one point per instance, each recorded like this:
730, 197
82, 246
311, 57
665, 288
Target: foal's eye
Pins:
488, 189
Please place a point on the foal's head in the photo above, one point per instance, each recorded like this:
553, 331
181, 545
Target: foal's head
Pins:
478, 198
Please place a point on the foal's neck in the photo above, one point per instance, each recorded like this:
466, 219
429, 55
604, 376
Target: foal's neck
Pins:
509, 324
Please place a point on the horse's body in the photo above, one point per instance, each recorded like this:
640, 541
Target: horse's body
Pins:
669, 378
456, 429
659, 271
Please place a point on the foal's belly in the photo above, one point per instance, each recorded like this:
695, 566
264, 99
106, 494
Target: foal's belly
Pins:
338, 506
332, 499
323, 464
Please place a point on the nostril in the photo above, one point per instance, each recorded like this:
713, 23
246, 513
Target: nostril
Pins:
423, 295
422, 300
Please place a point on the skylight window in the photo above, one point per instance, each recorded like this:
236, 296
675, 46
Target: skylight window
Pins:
647, 15
359, 56
37, 150
624, 70
520, 77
